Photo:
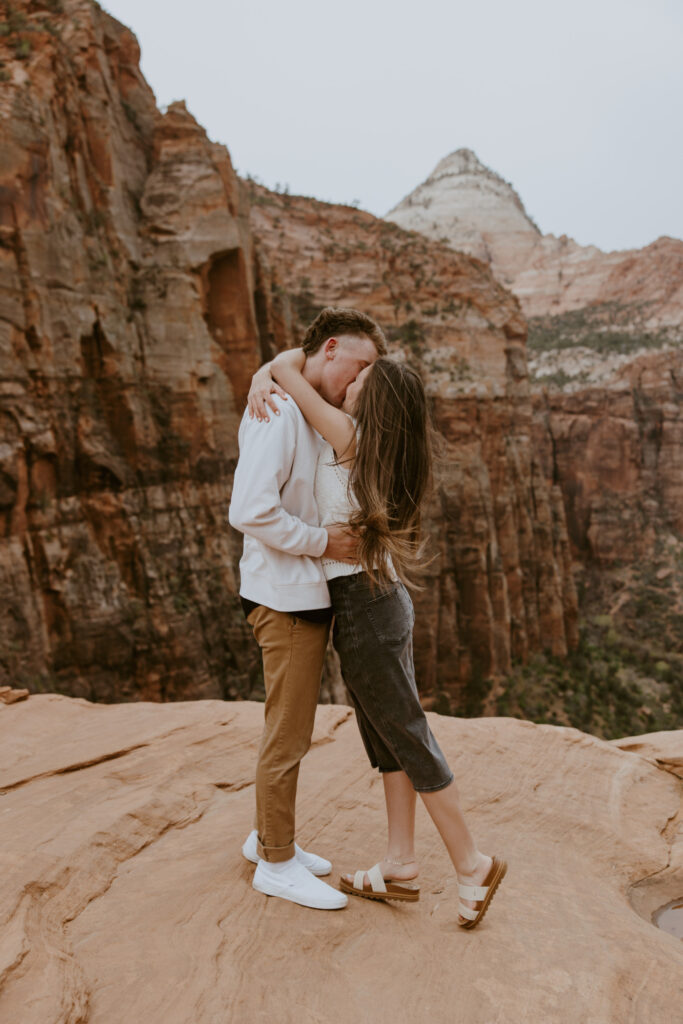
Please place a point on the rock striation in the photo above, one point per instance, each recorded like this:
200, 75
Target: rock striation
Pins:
127, 337
616, 450
142, 284
124, 896
501, 583
605, 344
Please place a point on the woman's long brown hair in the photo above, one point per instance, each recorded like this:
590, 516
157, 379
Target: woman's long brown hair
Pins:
392, 470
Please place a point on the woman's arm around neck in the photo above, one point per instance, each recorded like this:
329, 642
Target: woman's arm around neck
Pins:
334, 424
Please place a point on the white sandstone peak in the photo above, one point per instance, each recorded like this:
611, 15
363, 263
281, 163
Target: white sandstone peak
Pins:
465, 203
460, 162
470, 207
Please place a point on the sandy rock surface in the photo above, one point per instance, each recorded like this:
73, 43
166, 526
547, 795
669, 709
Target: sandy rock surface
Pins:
124, 897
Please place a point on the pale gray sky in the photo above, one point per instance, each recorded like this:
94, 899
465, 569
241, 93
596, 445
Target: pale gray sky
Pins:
579, 105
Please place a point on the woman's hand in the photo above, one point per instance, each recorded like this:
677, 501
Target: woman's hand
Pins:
258, 399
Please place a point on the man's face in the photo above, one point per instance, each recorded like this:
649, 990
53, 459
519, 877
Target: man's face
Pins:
345, 356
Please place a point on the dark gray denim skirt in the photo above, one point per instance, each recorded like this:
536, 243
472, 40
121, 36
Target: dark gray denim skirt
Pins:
373, 635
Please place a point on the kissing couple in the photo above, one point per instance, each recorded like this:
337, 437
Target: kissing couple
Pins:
334, 463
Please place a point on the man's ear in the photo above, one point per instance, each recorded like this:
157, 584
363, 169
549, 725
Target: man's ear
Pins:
331, 348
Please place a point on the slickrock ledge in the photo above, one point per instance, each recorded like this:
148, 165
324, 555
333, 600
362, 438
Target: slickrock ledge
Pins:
124, 897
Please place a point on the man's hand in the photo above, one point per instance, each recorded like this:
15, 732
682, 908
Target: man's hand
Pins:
258, 399
342, 544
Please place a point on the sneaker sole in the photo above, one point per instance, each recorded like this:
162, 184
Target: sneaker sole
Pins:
292, 899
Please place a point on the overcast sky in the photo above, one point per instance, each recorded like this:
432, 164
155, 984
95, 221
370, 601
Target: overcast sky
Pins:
579, 105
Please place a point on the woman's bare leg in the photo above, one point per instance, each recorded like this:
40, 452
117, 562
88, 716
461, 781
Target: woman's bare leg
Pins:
400, 798
444, 808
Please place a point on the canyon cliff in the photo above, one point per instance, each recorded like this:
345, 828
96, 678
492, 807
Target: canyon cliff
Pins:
605, 355
127, 338
605, 359
142, 285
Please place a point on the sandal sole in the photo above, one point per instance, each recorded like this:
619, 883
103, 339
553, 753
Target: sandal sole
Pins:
493, 886
383, 897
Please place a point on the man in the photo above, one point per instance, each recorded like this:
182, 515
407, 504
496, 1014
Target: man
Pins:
284, 593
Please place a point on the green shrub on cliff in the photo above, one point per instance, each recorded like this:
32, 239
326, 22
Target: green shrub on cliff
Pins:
609, 327
626, 674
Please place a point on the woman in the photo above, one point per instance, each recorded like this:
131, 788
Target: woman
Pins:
373, 473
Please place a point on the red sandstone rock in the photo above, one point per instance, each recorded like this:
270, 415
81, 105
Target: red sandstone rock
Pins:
10, 696
137, 299
501, 584
127, 335
617, 453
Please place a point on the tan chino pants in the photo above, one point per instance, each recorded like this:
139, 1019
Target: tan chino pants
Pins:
293, 651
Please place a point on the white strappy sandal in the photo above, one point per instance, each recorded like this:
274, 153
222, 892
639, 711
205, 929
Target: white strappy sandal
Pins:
481, 894
380, 888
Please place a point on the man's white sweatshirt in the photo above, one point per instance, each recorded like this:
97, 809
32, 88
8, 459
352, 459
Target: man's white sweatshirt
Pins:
274, 506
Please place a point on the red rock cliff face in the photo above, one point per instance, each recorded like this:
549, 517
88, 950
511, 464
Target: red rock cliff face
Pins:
605, 343
127, 337
617, 452
501, 583
135, 306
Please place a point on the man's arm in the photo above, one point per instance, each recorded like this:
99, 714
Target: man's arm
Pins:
265, 462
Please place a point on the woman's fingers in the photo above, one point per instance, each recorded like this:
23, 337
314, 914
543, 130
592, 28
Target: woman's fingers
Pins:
265, 402
255, 400
260, 400
252, 405
269, 401
275, 390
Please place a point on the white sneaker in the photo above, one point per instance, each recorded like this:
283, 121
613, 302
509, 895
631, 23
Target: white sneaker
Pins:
316, 865
297, 884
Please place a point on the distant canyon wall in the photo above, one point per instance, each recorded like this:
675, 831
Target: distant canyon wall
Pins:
500, 585
142, 284
473, 209
605, 354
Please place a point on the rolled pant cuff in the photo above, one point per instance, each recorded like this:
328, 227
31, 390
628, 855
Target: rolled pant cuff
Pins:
275, 854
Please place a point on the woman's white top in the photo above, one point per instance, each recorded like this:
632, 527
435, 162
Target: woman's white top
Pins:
336, 503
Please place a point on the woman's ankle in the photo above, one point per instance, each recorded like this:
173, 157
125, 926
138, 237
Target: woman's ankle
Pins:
400, 858
480, 862
400, 868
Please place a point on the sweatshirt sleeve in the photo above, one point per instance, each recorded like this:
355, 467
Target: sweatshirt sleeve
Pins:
263, 468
